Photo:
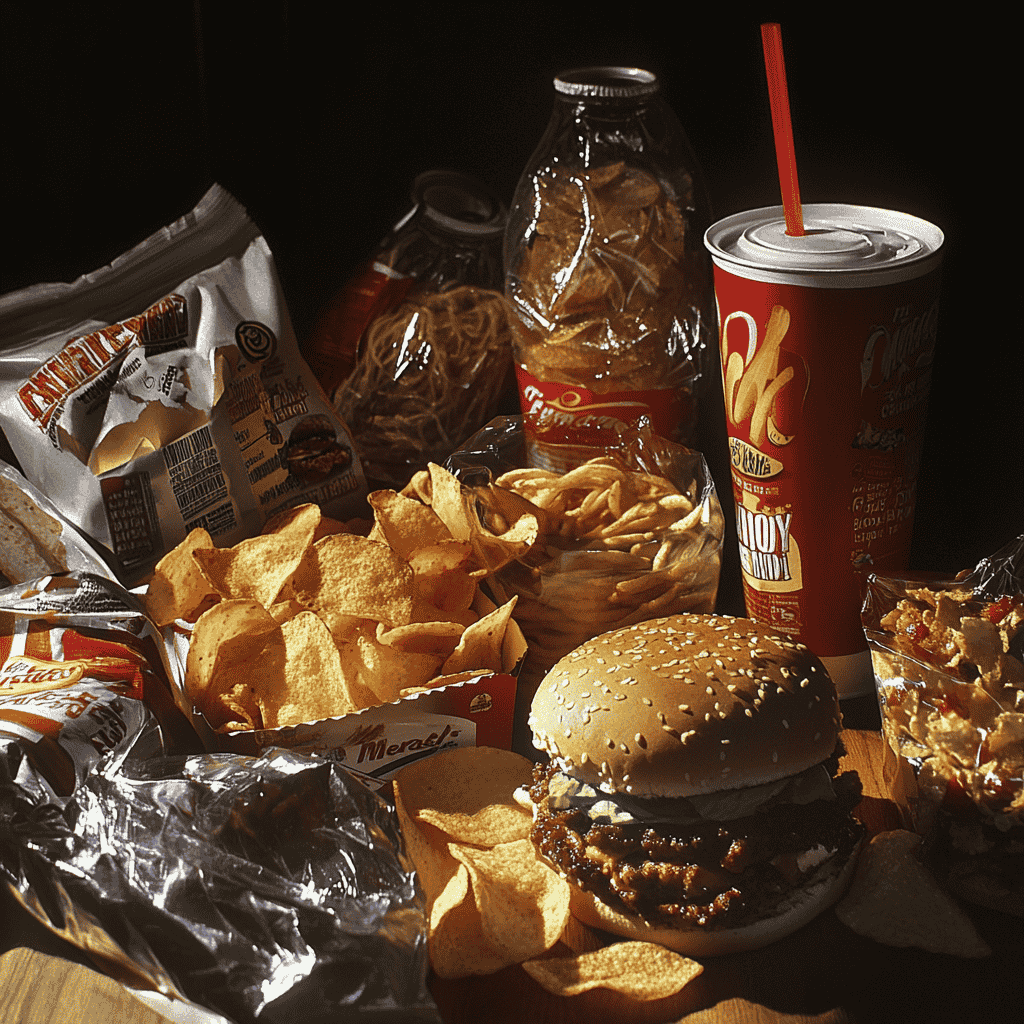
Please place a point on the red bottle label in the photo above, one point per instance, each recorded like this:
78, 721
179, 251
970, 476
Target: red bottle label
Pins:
569, 414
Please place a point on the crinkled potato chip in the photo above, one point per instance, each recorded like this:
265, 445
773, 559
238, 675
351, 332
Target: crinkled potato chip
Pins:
438, 558
522, 902
467, 792
639, 970
285, 519
235, 648
427, 846
355, 670
178, 590
453, 506
352, 575
451, 591
481, 643
894, 899
456, 941
259, 567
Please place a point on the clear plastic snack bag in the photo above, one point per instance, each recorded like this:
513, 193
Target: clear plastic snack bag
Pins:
416, 349
948, 658
633, 533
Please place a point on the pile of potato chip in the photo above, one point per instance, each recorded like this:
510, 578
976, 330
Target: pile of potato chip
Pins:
312, 619
491, 902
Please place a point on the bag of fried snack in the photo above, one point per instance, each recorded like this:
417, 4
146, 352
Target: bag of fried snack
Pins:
633, 533
165, 393
416, 349
948, 657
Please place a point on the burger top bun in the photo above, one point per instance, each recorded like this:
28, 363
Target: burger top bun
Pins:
686, 705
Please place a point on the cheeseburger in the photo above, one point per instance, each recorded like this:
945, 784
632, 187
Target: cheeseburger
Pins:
692, 794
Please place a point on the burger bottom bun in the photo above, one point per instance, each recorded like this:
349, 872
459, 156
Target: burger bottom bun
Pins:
825, 888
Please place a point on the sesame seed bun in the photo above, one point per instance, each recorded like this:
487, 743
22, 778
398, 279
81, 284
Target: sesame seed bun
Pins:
686, 705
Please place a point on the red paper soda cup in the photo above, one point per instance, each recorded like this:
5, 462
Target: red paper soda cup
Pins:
826, 344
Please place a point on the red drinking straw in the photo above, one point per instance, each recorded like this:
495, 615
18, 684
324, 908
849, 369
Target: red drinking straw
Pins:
778, 95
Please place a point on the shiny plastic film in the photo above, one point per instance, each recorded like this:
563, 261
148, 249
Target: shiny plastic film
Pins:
604, 265
261, 888
948, 659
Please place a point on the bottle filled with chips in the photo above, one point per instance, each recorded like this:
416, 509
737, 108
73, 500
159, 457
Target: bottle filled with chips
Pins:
416, 349
603, 267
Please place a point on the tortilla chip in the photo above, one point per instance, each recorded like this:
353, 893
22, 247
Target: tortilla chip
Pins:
639, 970
894, 899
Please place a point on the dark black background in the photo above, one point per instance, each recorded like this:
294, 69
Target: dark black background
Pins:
317, 117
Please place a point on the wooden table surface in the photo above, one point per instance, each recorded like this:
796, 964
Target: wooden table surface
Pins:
824, 974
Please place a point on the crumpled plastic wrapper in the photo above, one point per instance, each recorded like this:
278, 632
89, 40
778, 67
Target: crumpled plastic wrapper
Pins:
271, 889
267, 888
948, 658
165, 391
609, 554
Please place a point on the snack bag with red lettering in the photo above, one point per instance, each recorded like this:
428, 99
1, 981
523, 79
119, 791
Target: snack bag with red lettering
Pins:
83, 680
166, 392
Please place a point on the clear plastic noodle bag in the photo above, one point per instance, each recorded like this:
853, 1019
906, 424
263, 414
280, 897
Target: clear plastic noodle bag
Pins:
417, 349
948, 658
633, 533
604, 265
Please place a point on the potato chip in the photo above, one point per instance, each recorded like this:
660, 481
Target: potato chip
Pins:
258, 567
427, 847
353, 575
437, 558
355, 671
178, 590
407, 524
467, 792
233, 702
424, 611
388, 671
436, 638
452, 505
481, 643
894, 899
639, 970
236, 647
452, 591
312, 686
456, 941
523, 903
284, 519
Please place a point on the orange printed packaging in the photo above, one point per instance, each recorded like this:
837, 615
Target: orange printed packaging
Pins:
826, 343
82, 680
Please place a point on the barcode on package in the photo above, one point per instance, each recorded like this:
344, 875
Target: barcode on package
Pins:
195, 473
